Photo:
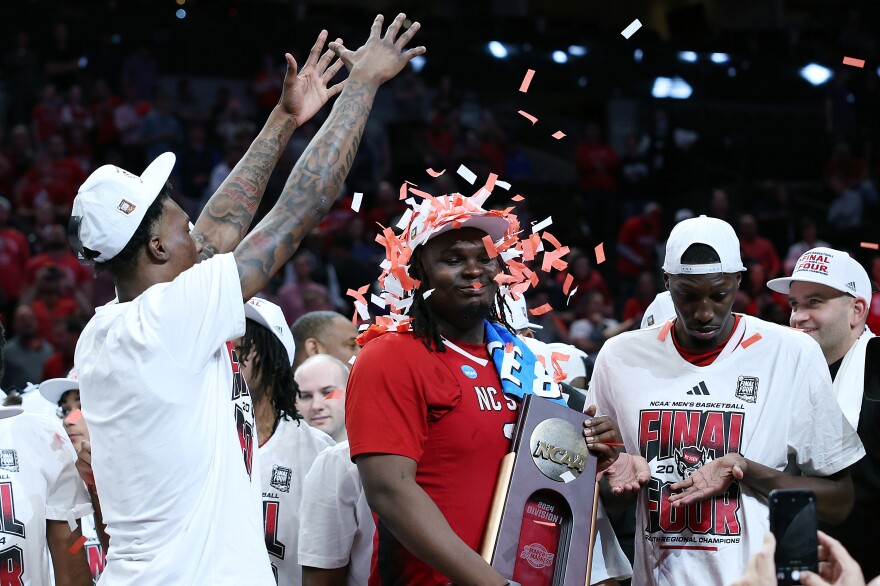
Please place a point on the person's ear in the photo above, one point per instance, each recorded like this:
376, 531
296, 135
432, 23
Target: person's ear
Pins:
312, 347
666, 281
860, 311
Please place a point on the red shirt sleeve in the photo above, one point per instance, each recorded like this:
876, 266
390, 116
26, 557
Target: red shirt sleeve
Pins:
387, 403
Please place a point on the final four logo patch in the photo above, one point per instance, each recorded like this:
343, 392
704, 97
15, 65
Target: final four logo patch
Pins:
9, 460
281, 478
747, 389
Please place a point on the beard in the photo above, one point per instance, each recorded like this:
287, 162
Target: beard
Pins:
478, 311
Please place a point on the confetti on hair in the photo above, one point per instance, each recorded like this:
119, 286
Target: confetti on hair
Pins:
524, 86
467, 174
74, 549
566, 286
631, 29
434, 173
527, 116
335, 394
871, 245
749, 341
378, 301
517, 197
356, 201
600, 253
853, 62
558, 135
541, 310
542, 224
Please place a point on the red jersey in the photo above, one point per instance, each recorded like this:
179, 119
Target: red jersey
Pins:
14, 254
446, 411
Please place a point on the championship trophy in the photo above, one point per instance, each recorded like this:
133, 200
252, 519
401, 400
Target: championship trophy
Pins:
541, 526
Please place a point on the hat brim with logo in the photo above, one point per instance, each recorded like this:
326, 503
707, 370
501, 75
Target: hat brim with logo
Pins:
829, 267
270, 316
111, 204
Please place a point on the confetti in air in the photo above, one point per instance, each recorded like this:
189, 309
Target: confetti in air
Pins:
631, 29
524, 86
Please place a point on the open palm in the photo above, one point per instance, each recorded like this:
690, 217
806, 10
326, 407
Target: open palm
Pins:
710, 480
305, 91
627, 474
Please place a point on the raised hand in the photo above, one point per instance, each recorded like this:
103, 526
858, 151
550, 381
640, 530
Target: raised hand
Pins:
381, 57
710, 480
305, 91
627, 474
84, 462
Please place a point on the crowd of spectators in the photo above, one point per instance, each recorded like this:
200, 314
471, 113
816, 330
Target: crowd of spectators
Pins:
62, 120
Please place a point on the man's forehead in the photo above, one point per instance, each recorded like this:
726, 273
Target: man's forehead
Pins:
706, 281
339, 327
464, 237
808, 289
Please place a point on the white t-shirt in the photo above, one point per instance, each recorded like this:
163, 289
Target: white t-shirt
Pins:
766, 396
172, 434
336, 525
38, 482
284, 460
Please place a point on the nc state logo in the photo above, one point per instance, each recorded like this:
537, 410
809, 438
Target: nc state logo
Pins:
690, 459
537, 556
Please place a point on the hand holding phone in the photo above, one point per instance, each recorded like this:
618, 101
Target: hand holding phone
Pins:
794, 524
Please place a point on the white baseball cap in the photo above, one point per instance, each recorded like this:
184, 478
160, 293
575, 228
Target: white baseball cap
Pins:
712, 232
830, 267
269, 315
445, 213
111, 203
54, 388
516, 313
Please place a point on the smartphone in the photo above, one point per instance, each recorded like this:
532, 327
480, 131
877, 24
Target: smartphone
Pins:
794, 523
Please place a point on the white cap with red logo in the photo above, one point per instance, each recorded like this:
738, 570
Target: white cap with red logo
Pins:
833, 268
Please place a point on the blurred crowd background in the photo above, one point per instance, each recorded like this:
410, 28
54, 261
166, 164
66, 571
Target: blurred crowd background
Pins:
738, 110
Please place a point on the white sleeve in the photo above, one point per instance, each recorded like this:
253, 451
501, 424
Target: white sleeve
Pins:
821, 439
599, 388
66, 494
327, 514
609, 561
197, 312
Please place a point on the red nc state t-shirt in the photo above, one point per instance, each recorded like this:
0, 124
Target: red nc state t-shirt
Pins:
444, 410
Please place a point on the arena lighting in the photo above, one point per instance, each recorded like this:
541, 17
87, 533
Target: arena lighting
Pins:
181, 13
731, 72
638, 54
816, 74
577, 50
688, 56
719, 58
417, 63
498, 50
878, 72
560, 57
671, 87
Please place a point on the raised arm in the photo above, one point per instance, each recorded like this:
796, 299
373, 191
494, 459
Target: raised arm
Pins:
318, 175
228, 214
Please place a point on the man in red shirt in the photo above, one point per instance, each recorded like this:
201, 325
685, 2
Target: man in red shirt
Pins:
637, 248
754, 247
14, 254
428, 423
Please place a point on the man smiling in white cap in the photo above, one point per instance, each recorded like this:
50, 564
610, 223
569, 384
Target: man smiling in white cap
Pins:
830, 295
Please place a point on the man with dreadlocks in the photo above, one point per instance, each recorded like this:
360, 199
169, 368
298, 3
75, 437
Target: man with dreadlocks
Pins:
426, 410
288, 446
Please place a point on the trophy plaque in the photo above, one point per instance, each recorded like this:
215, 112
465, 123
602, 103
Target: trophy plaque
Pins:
541, 527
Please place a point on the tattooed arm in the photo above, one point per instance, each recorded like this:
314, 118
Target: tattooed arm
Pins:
318, 175
228, 214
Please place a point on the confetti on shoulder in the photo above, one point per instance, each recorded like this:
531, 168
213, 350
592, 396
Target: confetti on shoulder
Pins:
356, 201
558, 135
434, 173
852, 61
524, 86
528, 116
631, 29
467, 174
600, 253
871, 245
